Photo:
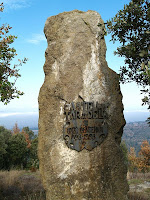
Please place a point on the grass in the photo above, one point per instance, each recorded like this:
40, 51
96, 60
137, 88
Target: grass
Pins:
8, 177
135, 179
26, 185
137, 196
21, 185
141, 176
147, 190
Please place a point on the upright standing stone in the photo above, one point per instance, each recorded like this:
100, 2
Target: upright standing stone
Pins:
80, 113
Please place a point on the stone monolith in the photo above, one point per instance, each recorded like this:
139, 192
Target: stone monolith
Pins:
80, 113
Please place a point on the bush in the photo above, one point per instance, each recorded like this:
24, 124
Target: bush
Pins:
21, 185
137, 196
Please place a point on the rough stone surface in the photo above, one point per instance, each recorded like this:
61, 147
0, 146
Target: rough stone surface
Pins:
75, 65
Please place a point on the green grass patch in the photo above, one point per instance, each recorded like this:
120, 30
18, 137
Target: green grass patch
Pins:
135, 181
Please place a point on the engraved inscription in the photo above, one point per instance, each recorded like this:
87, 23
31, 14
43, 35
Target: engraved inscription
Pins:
85, 125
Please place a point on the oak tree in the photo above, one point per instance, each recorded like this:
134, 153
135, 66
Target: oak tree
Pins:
5, 135
131, 27
8, 73
144, 157
132, 160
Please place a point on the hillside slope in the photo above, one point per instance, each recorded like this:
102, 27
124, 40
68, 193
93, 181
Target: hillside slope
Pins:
135, 133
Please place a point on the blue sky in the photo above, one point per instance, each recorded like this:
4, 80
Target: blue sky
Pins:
27, 18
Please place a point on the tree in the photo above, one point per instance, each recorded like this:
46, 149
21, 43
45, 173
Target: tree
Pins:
32, 144
29, 135
5, 135
29, 132
28, 141
16, 129
34, 161
144, 157
131, 27
132, 160
17, 151
33, 149
8, 90
142, 162
125, 152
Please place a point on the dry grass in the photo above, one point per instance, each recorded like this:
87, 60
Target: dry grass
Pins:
140, 176
8, 178
135, 180
137, 196
25, 185
21, 185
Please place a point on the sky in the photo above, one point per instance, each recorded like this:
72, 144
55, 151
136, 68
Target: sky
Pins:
27, 19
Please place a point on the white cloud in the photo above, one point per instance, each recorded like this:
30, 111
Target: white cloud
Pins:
17, 113
37, 38
16, 4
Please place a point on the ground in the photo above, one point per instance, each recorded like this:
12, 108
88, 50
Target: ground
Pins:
26, 185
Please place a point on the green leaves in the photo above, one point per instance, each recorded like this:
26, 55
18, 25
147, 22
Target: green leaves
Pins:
131, 27
14, 149
4, 138
8, 74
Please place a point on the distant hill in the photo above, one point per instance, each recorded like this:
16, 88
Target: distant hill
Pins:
135, 133
31, 119
22, 120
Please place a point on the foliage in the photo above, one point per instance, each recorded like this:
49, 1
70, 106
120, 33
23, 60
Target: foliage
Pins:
8, 90
132, 160
142, 162
4, 138
29, 132
131, 27
144, 157
135, 133
33, 162
17, 150
16, 129
29, 135
125, 152
33, 148
27, 139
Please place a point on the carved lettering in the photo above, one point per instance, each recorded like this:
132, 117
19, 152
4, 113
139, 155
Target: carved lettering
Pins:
85, 125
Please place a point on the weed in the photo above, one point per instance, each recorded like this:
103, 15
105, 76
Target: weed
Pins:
137, 196
147, 190
141, 176
135, 181
21, 185
26, 185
